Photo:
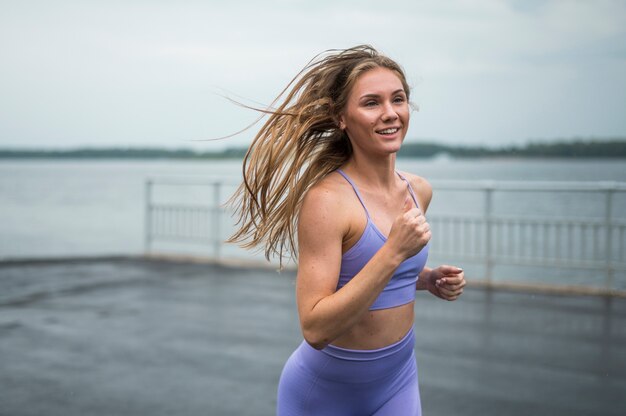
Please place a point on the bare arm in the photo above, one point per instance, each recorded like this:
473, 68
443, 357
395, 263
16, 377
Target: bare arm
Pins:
325, 314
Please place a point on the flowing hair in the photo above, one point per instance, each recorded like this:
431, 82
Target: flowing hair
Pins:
299, 144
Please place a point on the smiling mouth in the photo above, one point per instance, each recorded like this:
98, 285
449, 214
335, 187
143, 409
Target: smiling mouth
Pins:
388, 131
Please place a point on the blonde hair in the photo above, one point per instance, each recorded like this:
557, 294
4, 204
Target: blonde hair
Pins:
298, 145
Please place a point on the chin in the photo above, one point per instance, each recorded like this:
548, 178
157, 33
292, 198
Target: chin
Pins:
395, 147
390, 150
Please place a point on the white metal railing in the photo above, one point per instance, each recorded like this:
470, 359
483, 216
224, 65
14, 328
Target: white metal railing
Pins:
486, 237
193, 223
556, 241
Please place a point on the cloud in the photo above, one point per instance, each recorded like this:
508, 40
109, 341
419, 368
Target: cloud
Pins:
145, 72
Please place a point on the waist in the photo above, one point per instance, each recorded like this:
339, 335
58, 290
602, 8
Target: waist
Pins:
351, 354
358, 366
378, 329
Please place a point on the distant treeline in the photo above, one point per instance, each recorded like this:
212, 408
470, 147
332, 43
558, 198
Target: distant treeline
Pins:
121, 153
614, 148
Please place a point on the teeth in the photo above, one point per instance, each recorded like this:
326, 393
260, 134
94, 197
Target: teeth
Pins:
388, 131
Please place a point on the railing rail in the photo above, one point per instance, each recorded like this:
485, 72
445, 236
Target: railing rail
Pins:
495, 225
487, 237
199, 223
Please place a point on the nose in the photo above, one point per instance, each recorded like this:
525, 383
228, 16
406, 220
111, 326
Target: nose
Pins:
389, 113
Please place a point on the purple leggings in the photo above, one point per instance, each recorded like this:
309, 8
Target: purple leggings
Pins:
341, 382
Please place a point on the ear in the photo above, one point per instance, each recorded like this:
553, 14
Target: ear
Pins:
341, 122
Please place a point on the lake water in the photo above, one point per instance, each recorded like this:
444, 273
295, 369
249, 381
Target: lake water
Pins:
53, 208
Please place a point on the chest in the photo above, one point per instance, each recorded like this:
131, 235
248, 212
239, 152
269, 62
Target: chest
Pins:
384, 209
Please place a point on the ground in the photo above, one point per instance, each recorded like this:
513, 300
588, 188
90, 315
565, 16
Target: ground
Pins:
133, 336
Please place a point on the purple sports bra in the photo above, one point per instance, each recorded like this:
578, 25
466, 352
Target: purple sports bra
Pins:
401, 288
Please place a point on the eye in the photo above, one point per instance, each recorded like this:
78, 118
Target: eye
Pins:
370, 103
399, 99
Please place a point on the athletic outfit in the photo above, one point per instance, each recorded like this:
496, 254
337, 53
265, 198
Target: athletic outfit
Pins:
338, 381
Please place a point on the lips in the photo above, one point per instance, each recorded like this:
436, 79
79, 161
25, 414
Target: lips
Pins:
389, 130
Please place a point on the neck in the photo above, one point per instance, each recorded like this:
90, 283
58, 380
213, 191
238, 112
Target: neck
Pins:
379, 171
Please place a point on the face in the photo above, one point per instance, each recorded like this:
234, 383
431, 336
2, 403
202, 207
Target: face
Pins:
376, 116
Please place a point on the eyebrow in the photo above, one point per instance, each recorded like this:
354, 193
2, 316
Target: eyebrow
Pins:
378, 96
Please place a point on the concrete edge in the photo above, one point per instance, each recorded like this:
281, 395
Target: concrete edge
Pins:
71, 259
571, 290
226, 262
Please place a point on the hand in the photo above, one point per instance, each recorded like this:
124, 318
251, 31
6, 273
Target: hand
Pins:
410, 232
446, 282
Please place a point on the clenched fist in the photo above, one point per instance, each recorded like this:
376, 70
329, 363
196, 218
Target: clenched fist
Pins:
410, 232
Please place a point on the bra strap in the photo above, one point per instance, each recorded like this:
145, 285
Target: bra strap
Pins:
356, 191
408, 184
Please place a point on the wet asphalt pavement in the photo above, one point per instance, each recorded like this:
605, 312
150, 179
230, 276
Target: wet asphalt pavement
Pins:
131, 336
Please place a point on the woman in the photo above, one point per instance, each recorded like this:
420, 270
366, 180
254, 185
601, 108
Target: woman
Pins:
324, 163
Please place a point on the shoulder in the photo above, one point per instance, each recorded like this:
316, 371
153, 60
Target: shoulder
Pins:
330, 192
327, 203
422, 188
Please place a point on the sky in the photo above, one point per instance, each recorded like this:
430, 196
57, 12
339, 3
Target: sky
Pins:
159, 73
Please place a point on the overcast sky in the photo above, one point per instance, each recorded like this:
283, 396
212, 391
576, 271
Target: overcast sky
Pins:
153, 73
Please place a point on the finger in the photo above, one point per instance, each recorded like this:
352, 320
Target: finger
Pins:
407, 204
450, 293
446, 270
452, 289
448, 296
452, 280
426, 235
456, 289
450, 283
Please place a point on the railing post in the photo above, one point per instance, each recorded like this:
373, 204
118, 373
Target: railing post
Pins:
609, 236
148, 217
488, 222
217, 240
